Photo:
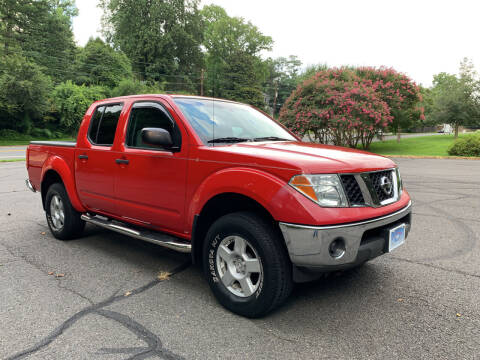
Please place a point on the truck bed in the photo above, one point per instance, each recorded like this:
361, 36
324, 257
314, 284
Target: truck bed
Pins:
39, 152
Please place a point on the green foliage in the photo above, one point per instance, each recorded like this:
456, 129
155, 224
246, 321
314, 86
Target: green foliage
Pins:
9, 134
99, 64
162, 38
36, 133
311, 70
338, 106
234, 68
468, 145
41, 30
70, 102
23, 93
282, 79
240, 80
225, 36
135, 87
401, 94
455, 99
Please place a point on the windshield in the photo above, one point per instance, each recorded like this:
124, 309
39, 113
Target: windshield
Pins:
217, 121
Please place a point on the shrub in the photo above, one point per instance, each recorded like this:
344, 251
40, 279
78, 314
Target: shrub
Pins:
350, 105
135, 87
468, 145
23, 93
336, 105
8, 134
71, 101
41, 133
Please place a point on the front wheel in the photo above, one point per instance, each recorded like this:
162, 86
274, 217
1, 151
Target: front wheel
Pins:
246, 265
63, 220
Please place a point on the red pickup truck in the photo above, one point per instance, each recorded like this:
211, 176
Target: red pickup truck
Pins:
254, 205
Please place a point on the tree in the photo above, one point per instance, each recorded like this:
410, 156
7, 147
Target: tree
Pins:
281, 80
134, 87
234, 68
243, 85
70, 102
454, 100
400, 93
99, 64
339, 106
42, 31
162, 38
24, 91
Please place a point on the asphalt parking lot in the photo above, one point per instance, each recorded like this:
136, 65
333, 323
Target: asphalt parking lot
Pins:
105, 299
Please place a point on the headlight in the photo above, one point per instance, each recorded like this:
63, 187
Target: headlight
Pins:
325, 189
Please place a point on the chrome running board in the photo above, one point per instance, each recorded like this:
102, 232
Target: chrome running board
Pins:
157, 238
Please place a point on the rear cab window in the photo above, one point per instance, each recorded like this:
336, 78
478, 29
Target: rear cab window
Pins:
104, 124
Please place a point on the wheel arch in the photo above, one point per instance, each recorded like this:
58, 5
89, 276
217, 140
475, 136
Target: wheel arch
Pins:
56, 170
218, 206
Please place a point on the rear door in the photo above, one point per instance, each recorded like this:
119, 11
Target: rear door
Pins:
95, 164
150, 184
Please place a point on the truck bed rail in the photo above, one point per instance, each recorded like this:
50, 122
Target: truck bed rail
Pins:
55, 143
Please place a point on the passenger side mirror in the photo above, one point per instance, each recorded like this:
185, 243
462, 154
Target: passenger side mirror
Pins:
157, 137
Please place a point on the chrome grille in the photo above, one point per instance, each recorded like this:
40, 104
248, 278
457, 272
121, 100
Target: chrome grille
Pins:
376, 179
371, 188
352, 190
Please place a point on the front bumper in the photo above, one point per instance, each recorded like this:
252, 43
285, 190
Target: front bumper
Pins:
309, 246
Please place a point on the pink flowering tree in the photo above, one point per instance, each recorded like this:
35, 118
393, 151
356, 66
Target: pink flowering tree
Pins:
348, 106
401, 94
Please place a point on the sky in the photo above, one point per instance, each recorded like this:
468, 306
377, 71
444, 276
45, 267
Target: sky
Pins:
419, 38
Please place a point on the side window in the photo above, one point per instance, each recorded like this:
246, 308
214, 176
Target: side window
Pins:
94, 122
104, 123
108, 125
144, 115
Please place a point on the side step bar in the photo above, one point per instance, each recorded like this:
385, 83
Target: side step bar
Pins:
157, 238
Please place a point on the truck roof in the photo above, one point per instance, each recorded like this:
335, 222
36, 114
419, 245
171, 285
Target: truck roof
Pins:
166, 96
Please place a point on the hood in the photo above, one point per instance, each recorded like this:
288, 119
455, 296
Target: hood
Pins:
310, 158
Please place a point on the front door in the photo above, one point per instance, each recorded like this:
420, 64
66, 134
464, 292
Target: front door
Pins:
150, 183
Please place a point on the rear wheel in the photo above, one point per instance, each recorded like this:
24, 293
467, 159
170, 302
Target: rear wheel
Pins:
246, 265
63, 220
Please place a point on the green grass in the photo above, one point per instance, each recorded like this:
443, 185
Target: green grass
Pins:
11, 160
435, 145
8, 142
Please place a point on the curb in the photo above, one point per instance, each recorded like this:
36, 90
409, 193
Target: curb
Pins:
433, 157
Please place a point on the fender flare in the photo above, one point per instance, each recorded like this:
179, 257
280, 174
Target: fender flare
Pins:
60, 166
255, 184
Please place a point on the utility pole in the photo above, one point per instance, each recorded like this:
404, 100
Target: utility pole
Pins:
275, 98
202, 75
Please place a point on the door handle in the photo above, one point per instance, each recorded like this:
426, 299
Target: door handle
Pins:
122, 161
83, 157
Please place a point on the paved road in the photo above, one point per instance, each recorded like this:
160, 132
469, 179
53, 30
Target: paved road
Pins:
420, 302
12, 152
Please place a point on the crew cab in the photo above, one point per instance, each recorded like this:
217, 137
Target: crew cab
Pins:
254, 205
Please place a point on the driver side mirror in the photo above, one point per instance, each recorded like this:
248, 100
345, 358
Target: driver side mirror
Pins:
157, 137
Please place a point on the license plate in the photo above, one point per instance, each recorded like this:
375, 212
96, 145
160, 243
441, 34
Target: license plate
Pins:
396, 237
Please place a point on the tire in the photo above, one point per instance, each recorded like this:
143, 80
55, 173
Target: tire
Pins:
68, 226
249, 280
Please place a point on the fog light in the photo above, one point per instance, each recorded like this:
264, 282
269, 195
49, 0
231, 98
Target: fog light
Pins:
337, 248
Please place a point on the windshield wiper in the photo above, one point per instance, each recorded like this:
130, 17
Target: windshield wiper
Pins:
273, 138
229, 139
